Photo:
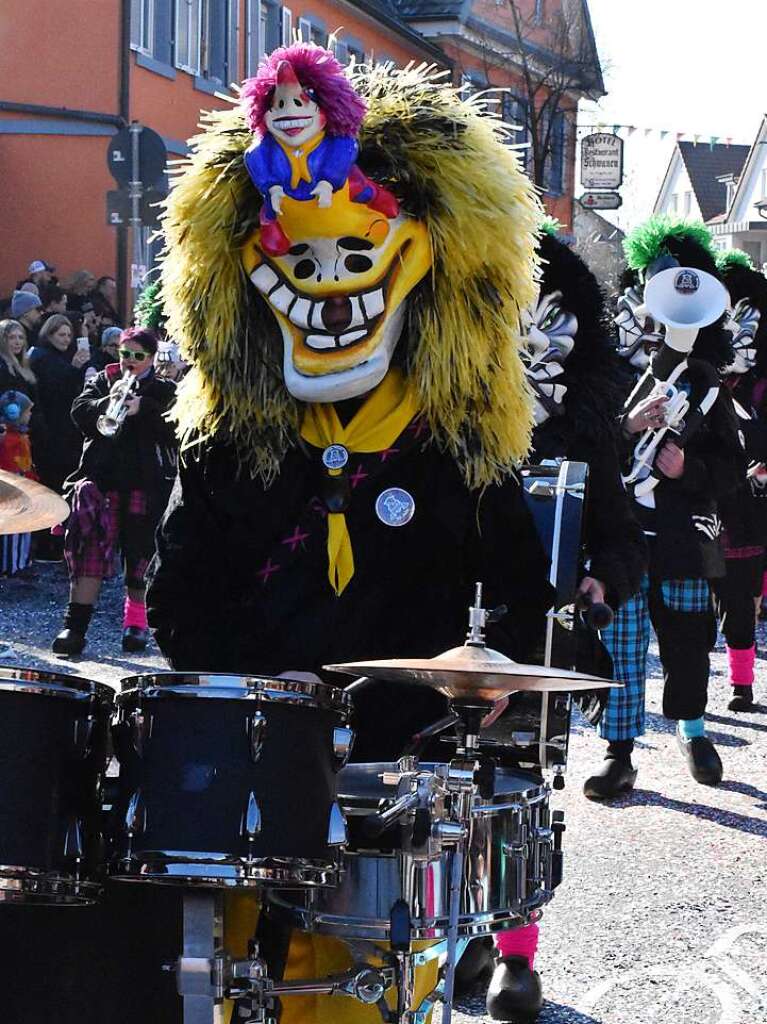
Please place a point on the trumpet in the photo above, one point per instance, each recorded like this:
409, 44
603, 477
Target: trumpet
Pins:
677, 407
112, 420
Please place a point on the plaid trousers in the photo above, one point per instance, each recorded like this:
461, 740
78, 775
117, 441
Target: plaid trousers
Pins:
684, 653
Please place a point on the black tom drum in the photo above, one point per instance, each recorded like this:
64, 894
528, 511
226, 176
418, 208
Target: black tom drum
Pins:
229, 780
53, 733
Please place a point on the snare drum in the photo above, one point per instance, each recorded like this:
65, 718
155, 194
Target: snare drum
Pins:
53, 731
511, 866
228, 780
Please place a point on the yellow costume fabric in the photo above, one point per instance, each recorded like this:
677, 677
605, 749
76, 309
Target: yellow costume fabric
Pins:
375, 427
311, 957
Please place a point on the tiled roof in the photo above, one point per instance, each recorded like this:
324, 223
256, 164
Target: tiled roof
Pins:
704, 165
388, 12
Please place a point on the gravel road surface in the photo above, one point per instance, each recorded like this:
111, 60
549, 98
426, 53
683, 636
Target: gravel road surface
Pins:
663, 912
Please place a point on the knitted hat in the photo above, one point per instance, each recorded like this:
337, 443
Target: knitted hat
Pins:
13, 404
30, 286
110, 336
22, 302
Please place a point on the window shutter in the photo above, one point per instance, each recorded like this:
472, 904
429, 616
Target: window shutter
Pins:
162, 44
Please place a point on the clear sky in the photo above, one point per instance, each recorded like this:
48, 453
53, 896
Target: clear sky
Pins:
692, 66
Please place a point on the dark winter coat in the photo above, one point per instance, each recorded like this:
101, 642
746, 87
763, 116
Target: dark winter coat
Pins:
142, 455
58, 385
686, 524
745, 517
240, 579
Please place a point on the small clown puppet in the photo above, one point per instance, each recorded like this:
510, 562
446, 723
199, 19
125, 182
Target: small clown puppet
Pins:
305, 115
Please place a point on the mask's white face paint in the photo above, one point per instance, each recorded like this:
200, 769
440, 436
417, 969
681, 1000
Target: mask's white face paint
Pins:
639, 334
550, 339
743, 323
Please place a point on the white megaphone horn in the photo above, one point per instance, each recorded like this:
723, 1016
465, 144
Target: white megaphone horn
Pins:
684, 299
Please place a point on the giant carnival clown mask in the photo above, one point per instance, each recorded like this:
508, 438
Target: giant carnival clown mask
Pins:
334, 257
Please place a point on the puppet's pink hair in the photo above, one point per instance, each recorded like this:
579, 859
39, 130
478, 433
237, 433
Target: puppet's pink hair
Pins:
316, 69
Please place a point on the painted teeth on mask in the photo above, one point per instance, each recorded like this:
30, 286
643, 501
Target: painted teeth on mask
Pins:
307, 314
324, 341
295, 122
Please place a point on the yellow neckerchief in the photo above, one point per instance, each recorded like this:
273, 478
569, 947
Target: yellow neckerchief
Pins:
298, 158
374, 428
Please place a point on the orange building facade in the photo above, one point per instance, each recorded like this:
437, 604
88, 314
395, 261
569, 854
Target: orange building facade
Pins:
66, 90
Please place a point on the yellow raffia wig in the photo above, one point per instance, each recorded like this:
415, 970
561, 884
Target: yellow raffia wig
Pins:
450, 164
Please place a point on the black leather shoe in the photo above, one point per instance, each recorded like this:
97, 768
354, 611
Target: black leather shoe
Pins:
742, 698
515, 992
475, 966
702, 759
135, 639
69, 642
613, 778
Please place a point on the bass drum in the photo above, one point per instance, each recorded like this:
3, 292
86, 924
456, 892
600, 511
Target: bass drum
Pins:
534, 732
513, 864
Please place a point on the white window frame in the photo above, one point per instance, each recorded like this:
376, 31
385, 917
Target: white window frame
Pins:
687, 204
254, 37
142, 28
287, 26
305, 30
189, 61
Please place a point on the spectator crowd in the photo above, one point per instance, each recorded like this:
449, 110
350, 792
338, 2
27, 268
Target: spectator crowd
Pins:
64, 343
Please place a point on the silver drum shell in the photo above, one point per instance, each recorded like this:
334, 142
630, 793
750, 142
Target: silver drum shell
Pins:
507, 874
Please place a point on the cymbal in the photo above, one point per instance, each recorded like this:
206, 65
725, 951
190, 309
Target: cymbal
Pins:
474, 671
26, 505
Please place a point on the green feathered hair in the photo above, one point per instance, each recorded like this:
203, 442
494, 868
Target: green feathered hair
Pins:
550, 226
730, 258
148, 311
450, 164
650, 240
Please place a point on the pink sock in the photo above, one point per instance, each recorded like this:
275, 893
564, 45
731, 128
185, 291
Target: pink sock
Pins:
741, 666
134, 614
519, 942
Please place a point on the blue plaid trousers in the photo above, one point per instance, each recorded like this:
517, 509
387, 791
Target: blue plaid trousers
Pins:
627, 641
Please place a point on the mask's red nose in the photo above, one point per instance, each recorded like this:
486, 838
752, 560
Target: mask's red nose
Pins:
285, 74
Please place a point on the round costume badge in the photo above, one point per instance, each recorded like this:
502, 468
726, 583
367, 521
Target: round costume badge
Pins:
335, 456
395, 506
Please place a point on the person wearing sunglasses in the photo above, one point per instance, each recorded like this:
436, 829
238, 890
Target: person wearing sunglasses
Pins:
118, 492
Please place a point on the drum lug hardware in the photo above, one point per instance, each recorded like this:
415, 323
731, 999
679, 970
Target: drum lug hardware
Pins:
83, 736
449, 833
337, 835
343, 737
135, 815
251, 819
255, 729
141, 730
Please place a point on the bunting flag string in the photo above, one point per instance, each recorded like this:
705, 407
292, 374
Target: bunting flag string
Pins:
661, 133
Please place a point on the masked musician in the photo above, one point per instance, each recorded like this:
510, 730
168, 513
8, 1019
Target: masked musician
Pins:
745, 518
579, 387
119, 490
681, 519
357, 402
